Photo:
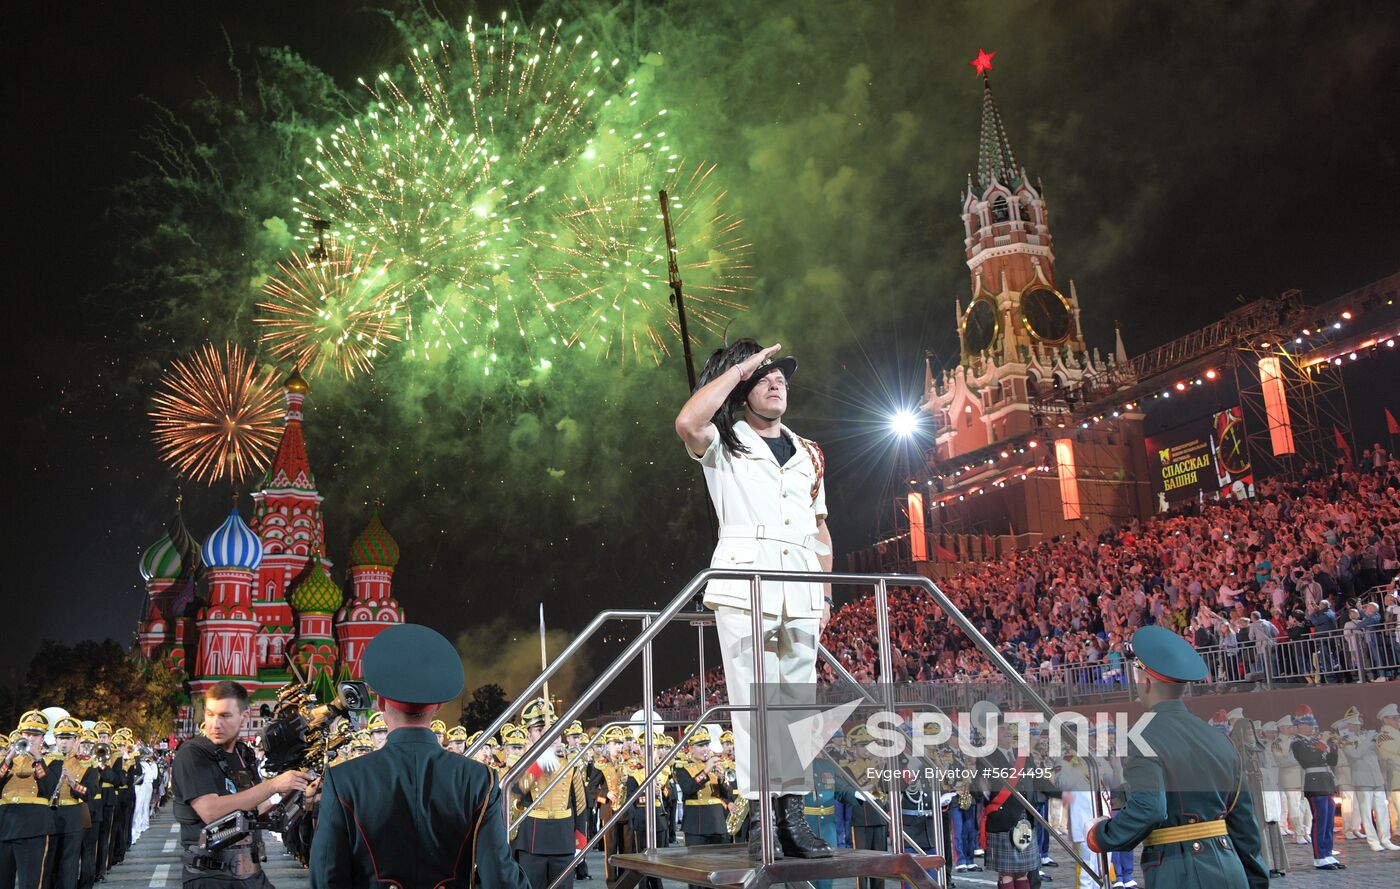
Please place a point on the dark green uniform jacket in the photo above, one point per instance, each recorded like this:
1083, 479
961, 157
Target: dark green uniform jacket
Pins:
411, 814
1194, 777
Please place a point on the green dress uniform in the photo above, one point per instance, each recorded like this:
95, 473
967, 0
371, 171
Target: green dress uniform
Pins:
412, 813
1188, 804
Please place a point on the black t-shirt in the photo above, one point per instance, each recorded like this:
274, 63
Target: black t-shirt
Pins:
782, 448
200, 769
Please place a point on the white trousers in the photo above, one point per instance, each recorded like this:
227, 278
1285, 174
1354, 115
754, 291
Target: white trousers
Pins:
789, 674
1299, 813
141, 812
1348, 810
1372, 814
1273, 806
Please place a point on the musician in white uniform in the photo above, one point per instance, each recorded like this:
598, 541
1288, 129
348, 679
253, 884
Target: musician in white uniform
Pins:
766, 484
1368, 783
1290, 777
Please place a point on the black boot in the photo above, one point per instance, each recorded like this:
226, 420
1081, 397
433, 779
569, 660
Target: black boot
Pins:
755, 844
795, 833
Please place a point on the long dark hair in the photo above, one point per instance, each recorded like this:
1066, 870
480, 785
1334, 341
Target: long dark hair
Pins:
721, 360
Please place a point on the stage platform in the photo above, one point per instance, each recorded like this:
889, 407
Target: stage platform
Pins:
724, 866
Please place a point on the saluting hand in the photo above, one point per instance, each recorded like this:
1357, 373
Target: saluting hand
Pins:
752, 363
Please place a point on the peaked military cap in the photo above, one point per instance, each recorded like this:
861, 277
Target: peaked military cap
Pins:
1166, 656
33, 721
413, 668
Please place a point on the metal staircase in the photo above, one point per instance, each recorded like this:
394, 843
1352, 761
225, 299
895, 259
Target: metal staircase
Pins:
729, 866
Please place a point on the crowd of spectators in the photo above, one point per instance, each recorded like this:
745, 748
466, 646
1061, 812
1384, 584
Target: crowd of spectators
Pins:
1303, 557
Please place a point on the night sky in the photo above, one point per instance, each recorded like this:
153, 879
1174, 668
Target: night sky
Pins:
1190, 153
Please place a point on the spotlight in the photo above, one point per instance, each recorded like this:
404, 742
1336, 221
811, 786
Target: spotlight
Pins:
1390, 344
1210, 374
1346, 316
1181, 387
1336, 325
906, 423
1036, 444
1004, 455
1352, 356
1337, 361
1306, 332
1297, 340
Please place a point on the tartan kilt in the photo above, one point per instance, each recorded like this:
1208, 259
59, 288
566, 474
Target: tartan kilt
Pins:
1004, 858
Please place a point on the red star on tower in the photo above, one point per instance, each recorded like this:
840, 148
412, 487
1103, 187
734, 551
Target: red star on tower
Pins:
983, 62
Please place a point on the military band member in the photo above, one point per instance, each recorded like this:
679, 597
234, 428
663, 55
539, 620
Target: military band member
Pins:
1317, 757
1290, 777
24, 813
377, 728
97, 807
1200, 836
457, 739
71, 779
1251, 750
452, 803
868, 829
704, 793
574, 739
1388, 751
551, 833
483, 753
126, 789
1359, 751
606, 791
439, 729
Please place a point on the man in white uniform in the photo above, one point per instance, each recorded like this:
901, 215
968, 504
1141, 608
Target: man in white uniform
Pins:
141, 815
768, 493
1290, 778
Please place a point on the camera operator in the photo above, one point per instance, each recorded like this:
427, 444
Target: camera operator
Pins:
215, 775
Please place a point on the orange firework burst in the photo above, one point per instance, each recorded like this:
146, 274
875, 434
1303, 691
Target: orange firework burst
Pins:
337, 312
216, 416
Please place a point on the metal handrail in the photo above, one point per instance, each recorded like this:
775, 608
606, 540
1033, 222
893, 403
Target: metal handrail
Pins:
573, 648
653, 623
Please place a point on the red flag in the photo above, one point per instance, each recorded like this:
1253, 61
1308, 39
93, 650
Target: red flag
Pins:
1342, 446
1390, 425
987, 545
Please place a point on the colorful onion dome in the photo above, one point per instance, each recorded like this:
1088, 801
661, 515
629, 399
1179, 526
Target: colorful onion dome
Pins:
161, 560
233, 545
374, 546
316, 593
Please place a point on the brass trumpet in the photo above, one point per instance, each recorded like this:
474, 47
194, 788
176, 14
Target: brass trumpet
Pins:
20, 747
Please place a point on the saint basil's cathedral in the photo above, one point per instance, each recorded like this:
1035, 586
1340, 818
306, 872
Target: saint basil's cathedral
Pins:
257, 596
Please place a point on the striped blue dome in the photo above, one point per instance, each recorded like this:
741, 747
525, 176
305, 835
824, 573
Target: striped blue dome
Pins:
233, 545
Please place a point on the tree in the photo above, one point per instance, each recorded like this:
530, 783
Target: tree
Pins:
100, 680
486, 704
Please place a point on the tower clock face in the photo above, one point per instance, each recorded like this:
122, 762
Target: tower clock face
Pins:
980, 326
1046, 315
1231, 449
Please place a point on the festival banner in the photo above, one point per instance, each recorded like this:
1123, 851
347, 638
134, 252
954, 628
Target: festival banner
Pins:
1208, 457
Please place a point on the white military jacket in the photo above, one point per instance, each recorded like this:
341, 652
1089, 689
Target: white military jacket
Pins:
767, 519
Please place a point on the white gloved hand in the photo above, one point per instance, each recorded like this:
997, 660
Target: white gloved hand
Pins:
548, 760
